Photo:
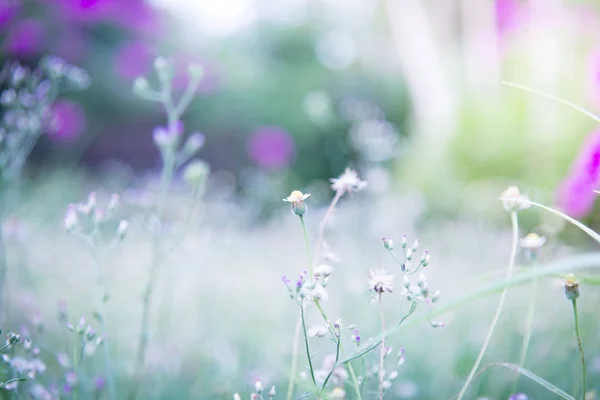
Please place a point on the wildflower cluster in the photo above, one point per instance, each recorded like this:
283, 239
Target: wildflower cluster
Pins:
389, 375
258, 392
26, 102
408, 255
23, 362
309, 290
87, 220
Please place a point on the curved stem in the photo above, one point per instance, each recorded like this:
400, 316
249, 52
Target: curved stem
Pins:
323, 225
350, 369
382, 354
513, 254
292, 380
528, 329
583, 368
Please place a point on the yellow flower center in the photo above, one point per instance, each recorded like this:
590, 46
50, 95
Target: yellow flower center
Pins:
296, 196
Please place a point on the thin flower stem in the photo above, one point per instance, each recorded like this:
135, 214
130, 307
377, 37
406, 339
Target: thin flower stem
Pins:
112, 391
323, 225
513, 254
312, 373
583, 367
310, 265
528, 329
292, 380
382, 354
350, 369
335, 364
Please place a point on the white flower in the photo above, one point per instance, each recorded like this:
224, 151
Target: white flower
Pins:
513, 200
71, 219
532, 241
338, 393
348, 182
323, 270
297, 199
318, 293
296, 196
122, 229
318, 331
380, 281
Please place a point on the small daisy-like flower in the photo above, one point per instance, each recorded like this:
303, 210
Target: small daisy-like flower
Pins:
323, 270
348, 182
297, 199
532, 241
380, 281
513, 200
317, 331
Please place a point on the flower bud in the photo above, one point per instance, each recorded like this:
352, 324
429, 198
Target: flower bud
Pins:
71, 220
196, 173
164, 69
403, 241
193, 144
388, 244
122, 229
406, 282
141, 88
571, 287
415, 245
435, 297
114, 202
513, 200
409, 254
258, 386
272, 392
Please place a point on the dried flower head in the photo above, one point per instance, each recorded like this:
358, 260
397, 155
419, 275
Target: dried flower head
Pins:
532, 241
513, 200
380, 281
571, 287
297, 199
348, 182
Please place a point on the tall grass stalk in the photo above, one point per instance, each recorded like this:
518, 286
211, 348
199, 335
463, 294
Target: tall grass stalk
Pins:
486, 342
382, 353
583, 365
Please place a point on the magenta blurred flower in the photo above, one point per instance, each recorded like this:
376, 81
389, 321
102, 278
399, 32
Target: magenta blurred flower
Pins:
509, 14
133, 59
131, 14
576, 194
25, 38
8, 11
67, 122
271, 147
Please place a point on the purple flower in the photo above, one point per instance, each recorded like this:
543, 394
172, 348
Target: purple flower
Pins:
25, 38
67, 122
8, 11
507, 13
271, 147
132, 60
576, 194
99, 383
518, 396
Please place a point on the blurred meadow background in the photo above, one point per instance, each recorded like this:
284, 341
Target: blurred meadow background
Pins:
146, 147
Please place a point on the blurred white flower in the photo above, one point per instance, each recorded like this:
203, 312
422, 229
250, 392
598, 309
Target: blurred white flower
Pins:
319, 293
532, 241
348, 182
380, 281
323, 270
513, 200
317, 331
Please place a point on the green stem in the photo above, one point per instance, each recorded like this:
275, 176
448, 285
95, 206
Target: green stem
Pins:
292, 380
335, 364
310, 267
513, 253
312, 373
350, 369
323, 225
583, 367
382, 354
528, 329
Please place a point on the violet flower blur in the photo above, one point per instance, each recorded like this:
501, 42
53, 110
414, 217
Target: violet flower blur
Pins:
576, 194
271, 147
68, 121
133, 59
26, 38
